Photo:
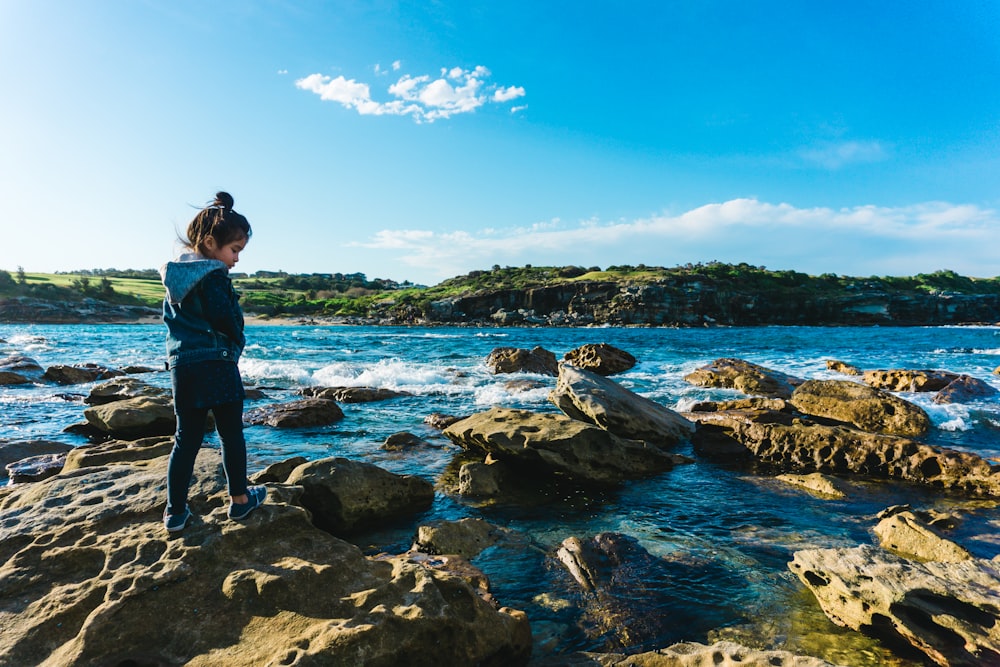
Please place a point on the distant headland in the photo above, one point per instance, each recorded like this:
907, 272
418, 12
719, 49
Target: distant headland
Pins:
693, 295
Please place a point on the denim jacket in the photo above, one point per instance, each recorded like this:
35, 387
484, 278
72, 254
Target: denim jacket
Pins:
202, 312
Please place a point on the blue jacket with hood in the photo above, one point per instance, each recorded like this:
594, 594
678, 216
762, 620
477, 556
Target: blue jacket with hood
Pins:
202, 312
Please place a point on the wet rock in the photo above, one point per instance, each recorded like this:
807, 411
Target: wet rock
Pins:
35, 468
296, 414
909, 536
81, 374
98, 582
555, 443
519, 360
121, 388
11, 452
948, 611
842, 367
816, 483
744, 376
965, 389
597, 400
785, 441
521, 386
465, 537
19, 369
346, 496
404, 440
440, 421
480, 480
865, 407
902, 379
600, 358
9, 378
354, 394
133, 418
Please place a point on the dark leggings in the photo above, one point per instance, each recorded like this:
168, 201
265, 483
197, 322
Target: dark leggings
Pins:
187, 441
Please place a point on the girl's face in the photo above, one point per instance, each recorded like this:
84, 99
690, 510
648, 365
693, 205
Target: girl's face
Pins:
228, 254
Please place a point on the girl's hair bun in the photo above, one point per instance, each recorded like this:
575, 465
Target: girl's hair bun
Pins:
223, 200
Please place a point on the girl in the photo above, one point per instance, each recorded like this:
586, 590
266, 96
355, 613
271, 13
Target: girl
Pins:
204, 342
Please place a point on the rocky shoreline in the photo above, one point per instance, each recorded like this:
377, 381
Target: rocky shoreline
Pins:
90, 577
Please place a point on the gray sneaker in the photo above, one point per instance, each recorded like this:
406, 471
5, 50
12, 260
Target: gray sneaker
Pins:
174, 523
255, 498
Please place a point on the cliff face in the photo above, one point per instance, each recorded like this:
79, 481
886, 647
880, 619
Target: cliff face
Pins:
697, 303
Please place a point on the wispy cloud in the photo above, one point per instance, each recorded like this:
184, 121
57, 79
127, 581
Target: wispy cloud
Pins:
454, 91
834, 155
861, 240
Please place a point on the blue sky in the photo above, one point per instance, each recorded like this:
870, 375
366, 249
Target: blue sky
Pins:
421, 140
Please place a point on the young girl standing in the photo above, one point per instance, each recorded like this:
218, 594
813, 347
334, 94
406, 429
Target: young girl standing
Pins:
204, 342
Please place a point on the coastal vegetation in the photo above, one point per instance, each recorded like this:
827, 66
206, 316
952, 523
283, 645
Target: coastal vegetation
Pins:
282, 294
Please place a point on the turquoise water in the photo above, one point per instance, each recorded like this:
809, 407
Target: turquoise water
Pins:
722, 535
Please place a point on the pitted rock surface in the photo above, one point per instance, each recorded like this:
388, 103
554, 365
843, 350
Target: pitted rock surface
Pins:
867, 408
744, 376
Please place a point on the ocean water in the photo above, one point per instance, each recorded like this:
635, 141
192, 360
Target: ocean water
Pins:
722, 535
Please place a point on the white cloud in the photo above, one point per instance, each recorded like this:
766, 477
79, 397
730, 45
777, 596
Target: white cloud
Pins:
861, 240
456, 91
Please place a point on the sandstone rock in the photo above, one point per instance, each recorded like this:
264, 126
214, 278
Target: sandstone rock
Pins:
693, 654
404, 440
964, 389
354, 394
90, 578
908, 380
597, 400
119, 451
121, 388
465, 537
296, 414
783, 440
948, 611
346, 496
907, 535
741, 404
554, 443
61, 374
842, 367
519, 360
816, 483
865, 407
600, 358
279, 472
746, 377
133, 418
521, 386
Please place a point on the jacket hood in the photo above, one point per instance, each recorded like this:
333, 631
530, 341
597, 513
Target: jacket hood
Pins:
182, 274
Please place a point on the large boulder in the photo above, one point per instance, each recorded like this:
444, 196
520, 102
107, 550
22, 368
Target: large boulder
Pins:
964, 389
744, 376
346, 496
520, 360
133, 418
90, 577
595, 399
907, 534
121, 388
789, 442
600, 358
296, 414
867, 408
555, 443
948, 611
